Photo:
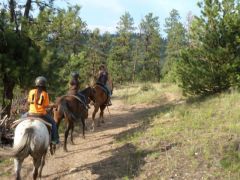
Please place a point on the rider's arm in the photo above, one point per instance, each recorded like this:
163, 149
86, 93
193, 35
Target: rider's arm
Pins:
48, 104
46, 100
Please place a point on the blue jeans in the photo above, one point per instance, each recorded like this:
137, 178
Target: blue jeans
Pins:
54, 133
109, 90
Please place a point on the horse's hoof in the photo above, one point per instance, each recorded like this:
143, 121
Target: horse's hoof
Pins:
103, 122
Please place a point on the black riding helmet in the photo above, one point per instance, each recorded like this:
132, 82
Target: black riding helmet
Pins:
75, 74
40, 81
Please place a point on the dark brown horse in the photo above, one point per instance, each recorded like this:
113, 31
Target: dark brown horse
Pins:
100, 102
73, 111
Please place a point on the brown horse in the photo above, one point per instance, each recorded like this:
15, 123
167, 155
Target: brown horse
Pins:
100, 102
72, 110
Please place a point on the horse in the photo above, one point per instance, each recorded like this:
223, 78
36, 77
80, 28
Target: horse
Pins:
31, 137
72, 110
100, 102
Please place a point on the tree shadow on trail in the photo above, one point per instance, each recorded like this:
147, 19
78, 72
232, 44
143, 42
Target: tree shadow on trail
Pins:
125, 161
145, 117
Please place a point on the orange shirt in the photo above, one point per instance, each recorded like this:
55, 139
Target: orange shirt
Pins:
38, 107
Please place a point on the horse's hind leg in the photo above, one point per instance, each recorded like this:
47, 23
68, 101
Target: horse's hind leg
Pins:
102, 113
69, 126
83, 127
18, 165
42, 164
96, 108
36, 163
72, 129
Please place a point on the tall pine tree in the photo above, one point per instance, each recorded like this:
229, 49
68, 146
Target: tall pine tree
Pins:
211, 63
176, 40
120, 57
150, 43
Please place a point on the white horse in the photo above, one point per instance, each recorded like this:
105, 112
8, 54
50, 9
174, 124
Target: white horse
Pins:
31, 137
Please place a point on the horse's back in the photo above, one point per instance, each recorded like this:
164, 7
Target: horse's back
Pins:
40, 135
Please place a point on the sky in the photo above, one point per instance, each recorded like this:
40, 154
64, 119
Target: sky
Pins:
105, 14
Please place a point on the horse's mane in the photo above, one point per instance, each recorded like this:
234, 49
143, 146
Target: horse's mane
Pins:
85, 90
59, 99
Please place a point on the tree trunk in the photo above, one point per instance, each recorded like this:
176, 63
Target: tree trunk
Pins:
8, 86
12, 10
27, 8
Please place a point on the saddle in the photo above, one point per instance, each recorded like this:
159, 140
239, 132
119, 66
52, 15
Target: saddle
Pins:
103, 88
83, 99
33, 117
79, 98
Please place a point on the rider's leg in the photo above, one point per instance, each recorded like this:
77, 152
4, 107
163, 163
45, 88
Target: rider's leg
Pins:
54, 133
109, 103
83, 98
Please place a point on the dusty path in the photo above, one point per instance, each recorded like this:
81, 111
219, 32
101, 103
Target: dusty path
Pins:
97, 156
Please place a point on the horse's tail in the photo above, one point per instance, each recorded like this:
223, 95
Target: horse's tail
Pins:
23, 147
63, 107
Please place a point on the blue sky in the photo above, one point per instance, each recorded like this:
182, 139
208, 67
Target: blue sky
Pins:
105, 14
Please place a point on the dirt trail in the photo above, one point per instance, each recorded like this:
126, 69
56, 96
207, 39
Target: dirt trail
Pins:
97, 156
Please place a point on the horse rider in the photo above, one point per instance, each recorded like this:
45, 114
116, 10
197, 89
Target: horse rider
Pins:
39, 101
74, 86
102, 80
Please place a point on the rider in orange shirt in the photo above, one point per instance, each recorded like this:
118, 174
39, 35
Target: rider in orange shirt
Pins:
39, 101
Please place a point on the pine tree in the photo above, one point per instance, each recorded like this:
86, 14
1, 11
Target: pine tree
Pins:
95, 55
176, 40
211, 63
150, 42
19, 54
120, 57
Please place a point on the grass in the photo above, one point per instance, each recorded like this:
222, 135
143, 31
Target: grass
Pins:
197, 139
3, 164
145, 93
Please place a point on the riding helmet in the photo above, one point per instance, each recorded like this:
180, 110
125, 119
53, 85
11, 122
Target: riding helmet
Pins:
75, 75
41, 81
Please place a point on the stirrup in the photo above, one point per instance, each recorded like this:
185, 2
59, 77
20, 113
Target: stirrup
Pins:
54, 142
109, 103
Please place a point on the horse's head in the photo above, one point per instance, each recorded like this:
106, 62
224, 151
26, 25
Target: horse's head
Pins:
89, 92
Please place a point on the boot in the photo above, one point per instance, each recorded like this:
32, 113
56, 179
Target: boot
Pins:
109, 103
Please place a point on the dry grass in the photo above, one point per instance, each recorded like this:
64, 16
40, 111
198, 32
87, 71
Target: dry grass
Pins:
147, 93
195, 139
